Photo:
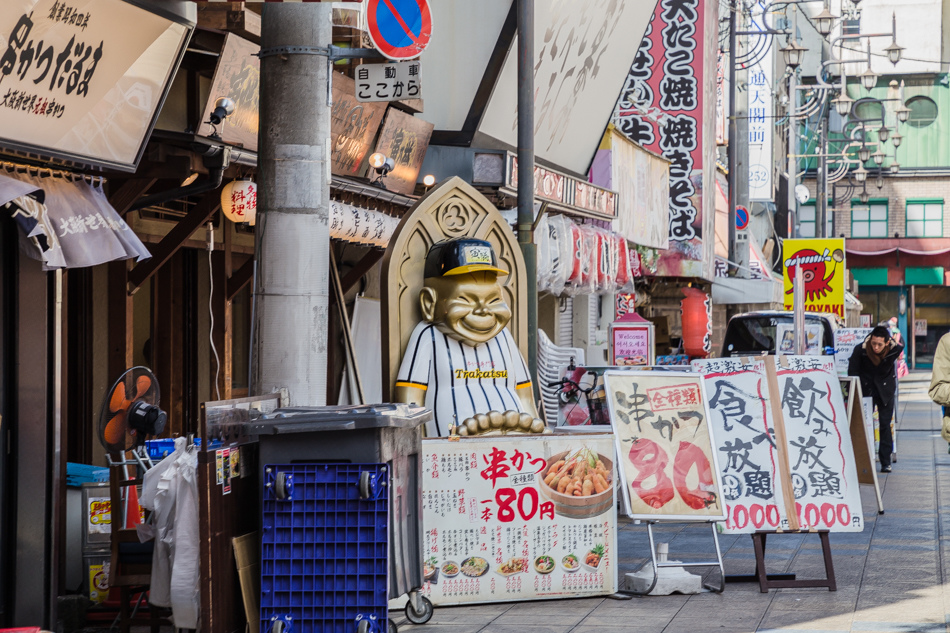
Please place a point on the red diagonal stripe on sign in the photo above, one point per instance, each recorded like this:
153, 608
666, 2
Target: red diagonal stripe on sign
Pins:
402, 23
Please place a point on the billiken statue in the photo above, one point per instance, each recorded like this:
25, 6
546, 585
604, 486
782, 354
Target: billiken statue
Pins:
461, 362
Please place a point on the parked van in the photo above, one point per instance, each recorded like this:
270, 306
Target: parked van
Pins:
757, 333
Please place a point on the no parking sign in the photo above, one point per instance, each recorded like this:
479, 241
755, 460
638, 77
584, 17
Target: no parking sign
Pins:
399, 29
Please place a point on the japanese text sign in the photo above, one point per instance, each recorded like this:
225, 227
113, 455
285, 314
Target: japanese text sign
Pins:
353, 126
761, 116
820, 453
745, 441
846, 339
388, 82
822, 263
668, 462
83, 80
498, 529
238, 77
405, 139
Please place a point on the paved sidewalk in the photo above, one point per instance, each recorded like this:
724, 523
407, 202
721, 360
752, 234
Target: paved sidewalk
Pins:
892, 577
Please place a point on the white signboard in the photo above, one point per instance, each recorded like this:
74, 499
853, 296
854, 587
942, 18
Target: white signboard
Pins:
391, 81
820, 454
83, 80
744, 430
785, 338
846, 339
761, 118
519, 518
920, 327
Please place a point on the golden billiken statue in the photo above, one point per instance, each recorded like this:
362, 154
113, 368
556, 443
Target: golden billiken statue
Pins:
461, 361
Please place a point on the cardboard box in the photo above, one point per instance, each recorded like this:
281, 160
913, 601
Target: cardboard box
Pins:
248, 558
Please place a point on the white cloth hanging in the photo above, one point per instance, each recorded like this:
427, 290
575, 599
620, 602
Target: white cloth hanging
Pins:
170, 490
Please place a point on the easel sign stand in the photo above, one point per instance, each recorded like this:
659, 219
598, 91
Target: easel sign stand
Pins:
660, 423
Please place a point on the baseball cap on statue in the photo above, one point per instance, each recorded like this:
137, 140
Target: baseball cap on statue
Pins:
459, 256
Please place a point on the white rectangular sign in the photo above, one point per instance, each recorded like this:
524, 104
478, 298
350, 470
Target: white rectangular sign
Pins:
501, 526
846, 339
761, 118
83, 80
391, 81
744, 430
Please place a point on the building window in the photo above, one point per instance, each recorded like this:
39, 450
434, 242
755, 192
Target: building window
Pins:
923, 111
869, 220
808, 221
924, 218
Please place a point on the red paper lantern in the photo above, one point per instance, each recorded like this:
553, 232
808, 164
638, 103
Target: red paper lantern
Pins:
697, 324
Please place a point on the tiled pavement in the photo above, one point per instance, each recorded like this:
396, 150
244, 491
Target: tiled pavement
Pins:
892, 577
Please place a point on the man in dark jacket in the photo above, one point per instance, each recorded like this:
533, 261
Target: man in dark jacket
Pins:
873, 363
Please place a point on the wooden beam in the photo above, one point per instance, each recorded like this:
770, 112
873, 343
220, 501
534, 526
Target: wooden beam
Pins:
362, 267
231, 17
240, 278
120, 321
170, 244
222, 334
127, 193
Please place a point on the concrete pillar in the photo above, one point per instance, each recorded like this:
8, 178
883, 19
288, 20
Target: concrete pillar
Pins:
293, 241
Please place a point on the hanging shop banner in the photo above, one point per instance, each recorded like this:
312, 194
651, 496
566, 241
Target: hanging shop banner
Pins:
745, 442
353, 127
563, 192
668, 462
83, 81
405, 139
821, 458
237, 77
846, 339
761, 115
519, 518
667, 107
823, 267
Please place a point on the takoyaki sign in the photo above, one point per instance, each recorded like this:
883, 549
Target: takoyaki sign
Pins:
823, 268
518, 518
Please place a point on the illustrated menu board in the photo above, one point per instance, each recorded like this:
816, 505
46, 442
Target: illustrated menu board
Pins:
519, 518
820, 452
744, 429
846, 339
668, 462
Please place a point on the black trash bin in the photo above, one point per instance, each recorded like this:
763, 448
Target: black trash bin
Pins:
388, 434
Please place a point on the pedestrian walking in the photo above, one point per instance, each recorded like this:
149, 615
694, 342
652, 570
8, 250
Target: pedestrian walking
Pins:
940, 383
874, 363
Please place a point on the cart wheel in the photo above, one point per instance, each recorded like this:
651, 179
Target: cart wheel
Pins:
363, 626
366, 485
280, 491
392, 627
419, 617
278, 627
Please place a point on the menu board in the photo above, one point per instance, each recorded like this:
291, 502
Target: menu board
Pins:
667, 455
744, 430
632, 344
820, 452
519, 518
846, 339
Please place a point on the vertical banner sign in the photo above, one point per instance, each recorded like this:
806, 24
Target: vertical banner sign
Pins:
761, 116
666, 452
820, 453
237, 76
823, 266
846, 339
518, 518
662, 107
745, 441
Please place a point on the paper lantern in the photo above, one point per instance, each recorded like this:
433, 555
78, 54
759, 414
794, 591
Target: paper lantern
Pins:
239, 201
697, 326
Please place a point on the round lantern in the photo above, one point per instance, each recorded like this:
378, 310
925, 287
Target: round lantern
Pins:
697, 325
239, 201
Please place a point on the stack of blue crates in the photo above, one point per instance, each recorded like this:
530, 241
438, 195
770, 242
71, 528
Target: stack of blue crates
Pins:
324, 565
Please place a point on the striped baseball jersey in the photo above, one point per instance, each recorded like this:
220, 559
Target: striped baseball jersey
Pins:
461, 380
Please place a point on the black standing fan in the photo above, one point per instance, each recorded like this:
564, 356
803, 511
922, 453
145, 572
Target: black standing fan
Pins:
130, 411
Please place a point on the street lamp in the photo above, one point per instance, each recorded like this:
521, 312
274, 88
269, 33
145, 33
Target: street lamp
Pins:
878, 158
894, 52
903, 113
864, 197
864, 153
895, 168
896, 139
868, 77
793, 53
842, 104
825, 21
861, 174
883, 133
880, 180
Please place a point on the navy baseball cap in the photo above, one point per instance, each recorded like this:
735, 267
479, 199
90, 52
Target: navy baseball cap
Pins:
459, 256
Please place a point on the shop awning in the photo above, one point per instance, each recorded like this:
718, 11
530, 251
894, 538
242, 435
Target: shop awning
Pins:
911, 246
734, 290
70, 223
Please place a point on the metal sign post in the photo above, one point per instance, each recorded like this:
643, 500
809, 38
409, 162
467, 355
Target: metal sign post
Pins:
798, 308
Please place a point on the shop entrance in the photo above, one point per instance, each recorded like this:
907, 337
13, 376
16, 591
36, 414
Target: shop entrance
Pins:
933, 307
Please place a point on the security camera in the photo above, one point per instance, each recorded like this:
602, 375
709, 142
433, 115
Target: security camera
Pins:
223, 108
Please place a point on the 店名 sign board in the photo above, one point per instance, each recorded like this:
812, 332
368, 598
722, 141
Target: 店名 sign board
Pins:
822, 263
83, 80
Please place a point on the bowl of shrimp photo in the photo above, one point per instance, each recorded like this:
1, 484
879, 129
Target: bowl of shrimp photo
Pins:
579, 482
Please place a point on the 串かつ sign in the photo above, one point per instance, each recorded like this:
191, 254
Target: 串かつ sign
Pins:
518, 518
666, 453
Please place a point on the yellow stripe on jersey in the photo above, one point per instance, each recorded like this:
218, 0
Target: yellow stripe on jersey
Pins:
412, 384
522, 385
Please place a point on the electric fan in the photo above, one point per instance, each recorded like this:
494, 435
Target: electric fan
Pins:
130, 411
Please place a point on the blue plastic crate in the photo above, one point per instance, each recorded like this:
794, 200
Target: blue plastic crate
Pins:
161, 448
78, 474
324, 561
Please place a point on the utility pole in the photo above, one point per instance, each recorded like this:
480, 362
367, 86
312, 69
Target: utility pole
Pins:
526, 176
293, 240
733, 132
792, 152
